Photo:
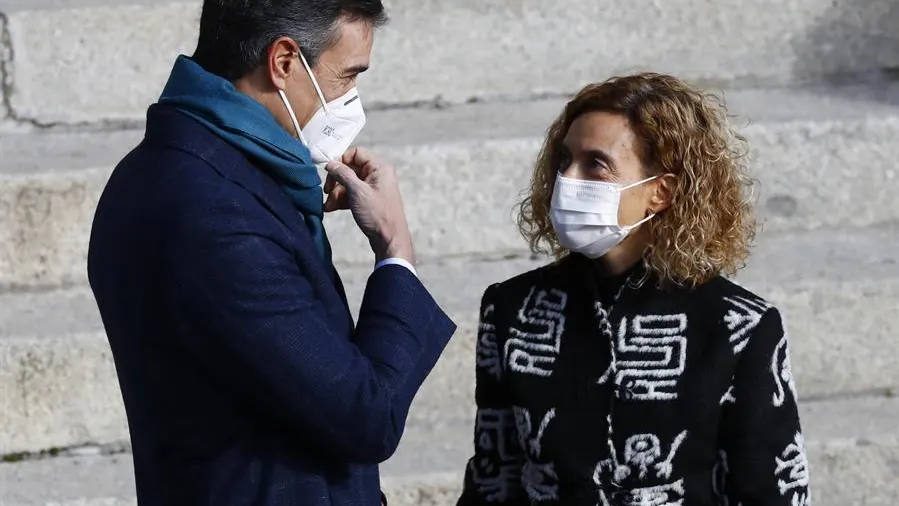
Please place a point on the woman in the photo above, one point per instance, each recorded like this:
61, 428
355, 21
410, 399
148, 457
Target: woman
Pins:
630, 371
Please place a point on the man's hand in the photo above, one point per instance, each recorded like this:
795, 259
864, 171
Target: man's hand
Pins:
367, 186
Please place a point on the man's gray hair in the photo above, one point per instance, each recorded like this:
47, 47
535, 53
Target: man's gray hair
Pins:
235, 35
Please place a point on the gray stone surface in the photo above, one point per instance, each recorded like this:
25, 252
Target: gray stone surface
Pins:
87, 481
838, 290
837, 296
853, 448
825, 157
65, 69
58, 390
16, 6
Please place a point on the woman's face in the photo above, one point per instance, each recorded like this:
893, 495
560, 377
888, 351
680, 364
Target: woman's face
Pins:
600, 146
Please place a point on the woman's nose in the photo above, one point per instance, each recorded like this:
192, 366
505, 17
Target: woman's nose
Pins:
571, 172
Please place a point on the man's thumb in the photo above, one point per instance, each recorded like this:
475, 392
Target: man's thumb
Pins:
343, 174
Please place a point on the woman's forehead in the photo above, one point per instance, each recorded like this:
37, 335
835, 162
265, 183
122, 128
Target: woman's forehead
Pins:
600, 131
606, 133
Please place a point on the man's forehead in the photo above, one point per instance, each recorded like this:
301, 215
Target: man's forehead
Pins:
352, 50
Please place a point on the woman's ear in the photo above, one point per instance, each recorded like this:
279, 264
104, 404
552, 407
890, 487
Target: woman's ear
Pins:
662, 193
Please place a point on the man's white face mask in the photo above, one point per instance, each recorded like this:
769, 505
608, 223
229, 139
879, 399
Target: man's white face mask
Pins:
333, 127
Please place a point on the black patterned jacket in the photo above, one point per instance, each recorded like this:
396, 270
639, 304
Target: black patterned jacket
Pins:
593, 391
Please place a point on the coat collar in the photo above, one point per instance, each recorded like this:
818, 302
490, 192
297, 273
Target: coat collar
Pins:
176, 130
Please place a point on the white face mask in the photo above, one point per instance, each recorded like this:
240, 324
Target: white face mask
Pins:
585, 215
333, 127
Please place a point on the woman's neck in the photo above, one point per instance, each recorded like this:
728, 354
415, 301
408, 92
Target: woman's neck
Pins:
619, 260
625, 255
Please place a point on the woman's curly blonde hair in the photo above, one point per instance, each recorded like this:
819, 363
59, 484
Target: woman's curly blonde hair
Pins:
709, 227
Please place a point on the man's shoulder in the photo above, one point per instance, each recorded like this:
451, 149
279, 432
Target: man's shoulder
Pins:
175, 192
182, 151
167, 178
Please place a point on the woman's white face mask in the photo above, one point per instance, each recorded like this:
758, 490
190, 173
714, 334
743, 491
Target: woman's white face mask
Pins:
333, 127
584, 215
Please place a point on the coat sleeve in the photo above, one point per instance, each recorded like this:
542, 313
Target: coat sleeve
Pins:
255, 322
762, 445
493, 474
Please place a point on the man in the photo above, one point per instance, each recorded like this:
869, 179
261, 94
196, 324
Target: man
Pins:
243, 377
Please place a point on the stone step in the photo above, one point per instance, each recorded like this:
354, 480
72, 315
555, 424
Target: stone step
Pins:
852, 445
838, 290
824, 156
59, 62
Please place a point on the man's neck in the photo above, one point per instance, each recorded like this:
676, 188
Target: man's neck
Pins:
249, 87
253, 86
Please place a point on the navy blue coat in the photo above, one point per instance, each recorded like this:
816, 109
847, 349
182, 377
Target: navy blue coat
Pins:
244, 378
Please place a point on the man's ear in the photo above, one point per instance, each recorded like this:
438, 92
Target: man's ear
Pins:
283, 61
663, 192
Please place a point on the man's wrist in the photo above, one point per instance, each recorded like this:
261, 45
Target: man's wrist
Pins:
397, 247
396, 261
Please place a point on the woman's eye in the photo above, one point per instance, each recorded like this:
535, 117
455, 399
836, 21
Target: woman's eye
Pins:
564, 162
599, 164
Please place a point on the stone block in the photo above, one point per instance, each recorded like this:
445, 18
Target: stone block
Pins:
838, 293
852, 446
823, 157
66, 69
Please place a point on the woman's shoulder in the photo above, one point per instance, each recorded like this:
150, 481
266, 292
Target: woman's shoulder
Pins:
726, 292
741, 312
547, 277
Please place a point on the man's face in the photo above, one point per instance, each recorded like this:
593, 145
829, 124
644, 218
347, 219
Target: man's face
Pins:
336, 69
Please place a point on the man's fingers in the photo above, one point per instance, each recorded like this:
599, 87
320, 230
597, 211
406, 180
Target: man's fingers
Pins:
329, 204
330, 184
348, 156
342, 174
358, 157
337, 201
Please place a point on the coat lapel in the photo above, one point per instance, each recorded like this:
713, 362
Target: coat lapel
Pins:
270, 195
179, 132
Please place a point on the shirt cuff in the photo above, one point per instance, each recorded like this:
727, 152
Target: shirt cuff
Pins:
396, 261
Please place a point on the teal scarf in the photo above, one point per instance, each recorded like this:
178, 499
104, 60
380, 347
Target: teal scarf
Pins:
245, 124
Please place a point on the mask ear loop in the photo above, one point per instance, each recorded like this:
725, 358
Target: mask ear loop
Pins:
638, 183
318, 90
293, 117
628, 228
